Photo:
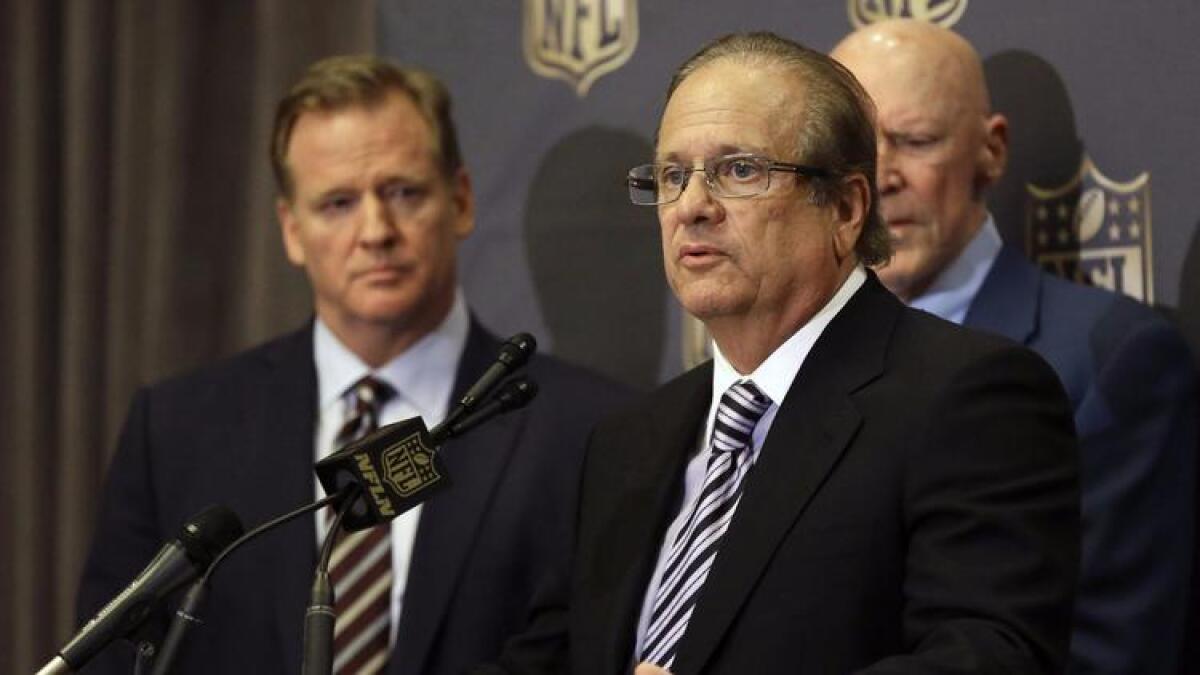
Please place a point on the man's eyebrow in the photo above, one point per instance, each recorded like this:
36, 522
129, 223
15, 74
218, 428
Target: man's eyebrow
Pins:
740, 150
721, 151
339, 191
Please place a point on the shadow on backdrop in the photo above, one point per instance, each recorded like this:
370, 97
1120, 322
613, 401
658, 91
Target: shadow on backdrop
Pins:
1188, 314
1044, 146
596, 258
1187, 318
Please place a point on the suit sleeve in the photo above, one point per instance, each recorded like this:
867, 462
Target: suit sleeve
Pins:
126, 537
1137, 429
541, 648
992, 521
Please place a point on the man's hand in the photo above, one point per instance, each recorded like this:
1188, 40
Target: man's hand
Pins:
650, 669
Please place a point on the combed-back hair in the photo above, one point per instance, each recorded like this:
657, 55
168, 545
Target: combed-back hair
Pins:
838, 130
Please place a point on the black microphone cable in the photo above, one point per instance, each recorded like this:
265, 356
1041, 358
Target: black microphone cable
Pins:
188, 613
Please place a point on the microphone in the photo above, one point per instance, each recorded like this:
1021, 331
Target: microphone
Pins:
513, 395
393, 469
203, 538
188, 613
397, 465
513, 354
411, 470
515, 351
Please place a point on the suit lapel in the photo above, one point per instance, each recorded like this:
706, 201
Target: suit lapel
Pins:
651, 471
1007, 302
815, 424
450, 520
282, 436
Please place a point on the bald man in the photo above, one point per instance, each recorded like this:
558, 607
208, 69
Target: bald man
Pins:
1126, 370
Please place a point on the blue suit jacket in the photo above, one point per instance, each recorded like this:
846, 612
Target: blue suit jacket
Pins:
1130, 380
240, 433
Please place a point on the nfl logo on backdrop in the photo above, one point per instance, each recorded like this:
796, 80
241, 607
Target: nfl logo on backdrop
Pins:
1094, 230
944, 13
579, 40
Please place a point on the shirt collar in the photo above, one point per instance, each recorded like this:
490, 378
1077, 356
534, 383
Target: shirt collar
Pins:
774, 375
423, 375
951, 293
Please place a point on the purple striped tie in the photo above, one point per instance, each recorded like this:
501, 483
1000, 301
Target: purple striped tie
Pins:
695, 547
361, 566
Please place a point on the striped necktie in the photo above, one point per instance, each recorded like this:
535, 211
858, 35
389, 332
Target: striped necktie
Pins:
695, 547
361, 566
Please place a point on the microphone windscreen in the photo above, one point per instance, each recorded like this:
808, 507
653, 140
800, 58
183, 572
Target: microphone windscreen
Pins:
517, 349
209, 533
517, 394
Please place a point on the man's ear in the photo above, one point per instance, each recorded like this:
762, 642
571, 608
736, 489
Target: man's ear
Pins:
464, 202
289, 228
849, 213
993, 154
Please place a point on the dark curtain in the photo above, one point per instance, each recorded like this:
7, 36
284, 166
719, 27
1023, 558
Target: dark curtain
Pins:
137, 240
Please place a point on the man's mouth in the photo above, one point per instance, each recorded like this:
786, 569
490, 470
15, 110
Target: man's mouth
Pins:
382, 273
699, 255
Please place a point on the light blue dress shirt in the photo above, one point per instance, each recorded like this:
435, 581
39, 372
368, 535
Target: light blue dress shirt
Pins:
951, 293
422, 377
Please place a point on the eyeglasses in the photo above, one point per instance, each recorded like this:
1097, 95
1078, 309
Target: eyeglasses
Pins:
734, 176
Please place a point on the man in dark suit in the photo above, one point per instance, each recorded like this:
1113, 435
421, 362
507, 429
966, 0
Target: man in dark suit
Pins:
374, 200
850, 485
1126, 370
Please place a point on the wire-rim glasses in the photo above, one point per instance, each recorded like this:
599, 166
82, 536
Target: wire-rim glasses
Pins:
729, 176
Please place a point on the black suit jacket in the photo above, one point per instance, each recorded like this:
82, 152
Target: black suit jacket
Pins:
914, 509
241, 434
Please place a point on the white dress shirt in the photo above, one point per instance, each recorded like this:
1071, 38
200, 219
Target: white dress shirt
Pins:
422, 377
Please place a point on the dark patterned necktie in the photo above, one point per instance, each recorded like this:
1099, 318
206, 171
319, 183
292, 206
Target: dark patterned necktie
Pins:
361, 566
695, 547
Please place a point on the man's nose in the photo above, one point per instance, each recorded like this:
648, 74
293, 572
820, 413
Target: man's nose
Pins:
696, 204
888, 175
379, 227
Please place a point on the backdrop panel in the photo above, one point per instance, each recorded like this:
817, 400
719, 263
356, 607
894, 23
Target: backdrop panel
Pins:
556, 99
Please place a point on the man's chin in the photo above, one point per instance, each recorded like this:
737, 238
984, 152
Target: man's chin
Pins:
901, 235
383, 312
708, 306
899, 277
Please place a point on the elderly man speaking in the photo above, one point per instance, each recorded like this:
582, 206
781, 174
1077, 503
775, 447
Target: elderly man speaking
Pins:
850, 485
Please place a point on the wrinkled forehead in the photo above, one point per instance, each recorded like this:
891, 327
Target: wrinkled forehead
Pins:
736, 106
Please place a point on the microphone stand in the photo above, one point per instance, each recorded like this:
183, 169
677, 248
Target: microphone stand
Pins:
320, 618
188, 613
